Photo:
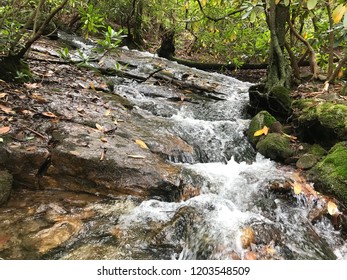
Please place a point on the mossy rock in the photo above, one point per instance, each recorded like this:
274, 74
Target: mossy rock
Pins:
307, 161
321, 122
317, 150
330, 174
260, 120
275, 146
6, 181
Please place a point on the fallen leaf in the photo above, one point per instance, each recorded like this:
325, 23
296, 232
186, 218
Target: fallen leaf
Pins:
75, 153
91, 85
7, 110
32, 86
247, 237
1, 140
264, 130
3, 94
4, 130
136, 156
103, 154
49, 114
297, 188
332, 208
99, 127
141, 144
103, 139
250, 256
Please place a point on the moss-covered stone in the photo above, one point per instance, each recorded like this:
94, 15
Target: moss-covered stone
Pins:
260, 120
330, 174
317, 150
322, 122
6, 180
275, 146
307, 161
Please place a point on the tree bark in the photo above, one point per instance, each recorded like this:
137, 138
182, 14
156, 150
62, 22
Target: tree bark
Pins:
279, 72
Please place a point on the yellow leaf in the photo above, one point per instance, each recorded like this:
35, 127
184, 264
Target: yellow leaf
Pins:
3, 94
141, 144
340, 74
277, 1
339, 12
4, 129
99, 127
264, 130
332, 208
297, 188
91, 85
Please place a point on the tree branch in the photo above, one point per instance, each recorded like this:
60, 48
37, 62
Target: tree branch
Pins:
40, 31
220, 18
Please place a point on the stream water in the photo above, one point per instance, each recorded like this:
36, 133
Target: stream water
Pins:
230, 212
234, 194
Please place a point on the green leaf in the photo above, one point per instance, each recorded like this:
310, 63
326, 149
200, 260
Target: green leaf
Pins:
345, 21
311, 4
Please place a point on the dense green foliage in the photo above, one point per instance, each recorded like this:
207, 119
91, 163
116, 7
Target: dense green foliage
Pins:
235, 32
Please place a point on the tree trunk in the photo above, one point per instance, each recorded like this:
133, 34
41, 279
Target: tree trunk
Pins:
279, 72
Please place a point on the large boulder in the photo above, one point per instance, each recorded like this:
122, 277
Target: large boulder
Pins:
330, 174
5, 186
321, 122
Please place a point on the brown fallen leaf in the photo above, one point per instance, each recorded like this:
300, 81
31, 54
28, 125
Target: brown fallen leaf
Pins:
4, 130
247, 237
103, 139
49, 114
251, 256
141, 144
3, 94
92, 86
6, 109
32, 85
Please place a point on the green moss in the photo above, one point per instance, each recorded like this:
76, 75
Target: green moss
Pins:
275, 146
328, 115
331, 172
263, 118
282, 96
317, 150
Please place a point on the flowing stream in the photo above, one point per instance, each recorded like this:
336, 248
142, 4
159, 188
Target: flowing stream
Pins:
234, 195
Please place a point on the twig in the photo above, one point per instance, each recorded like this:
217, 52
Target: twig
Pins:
35, 132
